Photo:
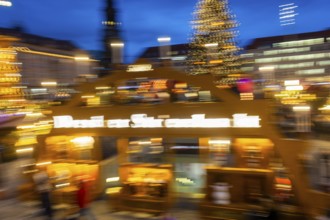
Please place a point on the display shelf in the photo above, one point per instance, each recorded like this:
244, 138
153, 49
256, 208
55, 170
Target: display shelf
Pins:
145, 188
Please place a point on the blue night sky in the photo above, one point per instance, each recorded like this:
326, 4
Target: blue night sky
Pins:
143, 21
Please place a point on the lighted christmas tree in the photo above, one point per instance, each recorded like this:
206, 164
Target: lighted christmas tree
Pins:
212, 48
11, 94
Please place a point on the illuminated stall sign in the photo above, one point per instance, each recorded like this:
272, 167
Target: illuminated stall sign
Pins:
143, 121
139, 68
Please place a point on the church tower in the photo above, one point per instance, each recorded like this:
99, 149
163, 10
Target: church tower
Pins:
112, 42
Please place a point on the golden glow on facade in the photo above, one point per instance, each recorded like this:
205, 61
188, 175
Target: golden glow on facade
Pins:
48, 83
81, 58
27, 50
24, 150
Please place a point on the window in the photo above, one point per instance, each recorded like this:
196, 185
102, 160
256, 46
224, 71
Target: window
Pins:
299, 43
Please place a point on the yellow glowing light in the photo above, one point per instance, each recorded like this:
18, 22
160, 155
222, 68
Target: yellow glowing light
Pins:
83, 141
102, 87
139, 68
81, 58
44, 163
185, 181
24, 150
281, 95
112, 179
87, 96
325, 108
17, 100
217, 23
229, 47
294, 88
113, 190
246, 96
211, 45
13, 74
144, 142
301, 108
34, 114
219, 142
266, 68
27, 50
62, 185
25, 126
291, 82
30, 171
48, 83
216, 61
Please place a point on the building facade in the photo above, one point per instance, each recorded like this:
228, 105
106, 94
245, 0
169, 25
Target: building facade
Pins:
47, 63
302, 56
112, 42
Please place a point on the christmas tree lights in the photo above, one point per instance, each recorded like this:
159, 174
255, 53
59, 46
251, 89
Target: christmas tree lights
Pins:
11, 94
212, 48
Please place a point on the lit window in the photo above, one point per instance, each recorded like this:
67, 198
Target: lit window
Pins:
323, 63
299, 43
283, 51
296, 65
310, 71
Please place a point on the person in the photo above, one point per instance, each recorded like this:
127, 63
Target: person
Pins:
83, 200
44, 187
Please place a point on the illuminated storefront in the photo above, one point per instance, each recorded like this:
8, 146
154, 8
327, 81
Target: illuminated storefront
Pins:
155, 133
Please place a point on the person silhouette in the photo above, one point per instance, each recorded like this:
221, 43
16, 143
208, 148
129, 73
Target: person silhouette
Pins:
44, 187
84, 199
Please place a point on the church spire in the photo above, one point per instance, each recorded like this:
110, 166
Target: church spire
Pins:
112, 37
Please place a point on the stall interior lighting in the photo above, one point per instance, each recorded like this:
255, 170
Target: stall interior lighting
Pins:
246, 96
24, 150
301, 108
43, 163
81, 58
294, 88
112, 179
62, 185
325, 108
214, 142
48, 83
113, 190
291, 82
185, 181
25, 126
83, 141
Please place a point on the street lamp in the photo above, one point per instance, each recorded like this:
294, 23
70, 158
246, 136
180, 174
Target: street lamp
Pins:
5, 3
